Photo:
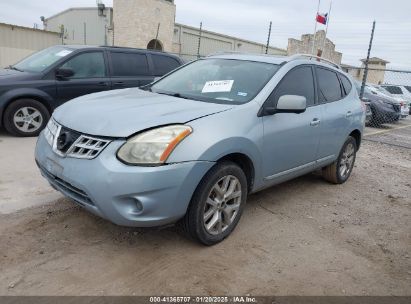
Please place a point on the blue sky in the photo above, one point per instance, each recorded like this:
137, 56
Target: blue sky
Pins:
349, 28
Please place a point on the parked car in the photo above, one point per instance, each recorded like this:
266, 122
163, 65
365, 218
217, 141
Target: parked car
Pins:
375, 89
404, 92
190, 147
31, 89
384, 109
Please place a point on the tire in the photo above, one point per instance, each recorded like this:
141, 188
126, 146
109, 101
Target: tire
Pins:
194, 222
25, 117
333, 173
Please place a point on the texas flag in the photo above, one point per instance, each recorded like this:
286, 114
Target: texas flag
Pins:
322, 18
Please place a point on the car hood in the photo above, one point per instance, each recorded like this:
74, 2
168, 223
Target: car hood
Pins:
121, 113
8, 75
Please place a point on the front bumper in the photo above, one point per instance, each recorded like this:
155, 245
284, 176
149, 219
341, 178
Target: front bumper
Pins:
125, 195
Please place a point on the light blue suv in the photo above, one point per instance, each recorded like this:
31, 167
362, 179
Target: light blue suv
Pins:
190, 147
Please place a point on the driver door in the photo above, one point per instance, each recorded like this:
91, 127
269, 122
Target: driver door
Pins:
291, 140
90, 76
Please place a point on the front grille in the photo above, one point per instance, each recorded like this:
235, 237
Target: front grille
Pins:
87, 147
75, 193
69, 143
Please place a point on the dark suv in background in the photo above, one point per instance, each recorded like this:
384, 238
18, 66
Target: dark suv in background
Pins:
31, 89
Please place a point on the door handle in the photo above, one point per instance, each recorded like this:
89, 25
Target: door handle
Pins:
315, 122
349, 114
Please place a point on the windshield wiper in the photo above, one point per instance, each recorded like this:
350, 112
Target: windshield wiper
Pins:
10, 67
178, 95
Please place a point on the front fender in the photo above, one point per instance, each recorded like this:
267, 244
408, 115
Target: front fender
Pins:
17, 93
214, 137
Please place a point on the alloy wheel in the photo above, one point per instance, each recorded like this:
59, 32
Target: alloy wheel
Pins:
28, 119
222, 205
347, 160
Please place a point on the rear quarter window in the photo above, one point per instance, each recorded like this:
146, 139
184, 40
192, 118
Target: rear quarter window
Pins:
164, 64
347, 86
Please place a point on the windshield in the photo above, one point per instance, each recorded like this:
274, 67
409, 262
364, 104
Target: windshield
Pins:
40, 61
218, 80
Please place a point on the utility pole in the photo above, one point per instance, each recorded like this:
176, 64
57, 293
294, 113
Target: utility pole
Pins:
364, 78
158, 31
269, 37
199, 40
85, 33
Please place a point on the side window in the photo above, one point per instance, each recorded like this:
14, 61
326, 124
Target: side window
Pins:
164, 64
394, 90
299, 81
129, 64
346, 84
87, 65
328, 86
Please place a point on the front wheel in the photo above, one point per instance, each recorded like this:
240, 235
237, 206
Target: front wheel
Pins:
339, 171
217, 204
25, 117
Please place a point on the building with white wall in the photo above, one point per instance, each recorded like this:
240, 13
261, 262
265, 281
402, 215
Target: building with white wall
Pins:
17, 42
83, 25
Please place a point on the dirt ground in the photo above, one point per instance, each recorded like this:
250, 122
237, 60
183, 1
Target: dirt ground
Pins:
304, 237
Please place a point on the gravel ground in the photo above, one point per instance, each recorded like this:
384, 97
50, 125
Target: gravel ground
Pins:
304, 237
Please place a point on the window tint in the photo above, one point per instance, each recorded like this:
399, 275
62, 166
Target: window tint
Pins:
346, 84
299, 81
164, 64
129, 64
394, 90
328, 85
87, 65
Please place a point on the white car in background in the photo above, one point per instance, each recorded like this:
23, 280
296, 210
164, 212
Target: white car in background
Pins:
404, 102
403, 92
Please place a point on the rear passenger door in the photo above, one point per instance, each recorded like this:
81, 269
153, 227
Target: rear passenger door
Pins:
337, 112
163, 64
129, 69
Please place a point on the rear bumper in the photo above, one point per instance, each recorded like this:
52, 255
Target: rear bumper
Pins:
125, 195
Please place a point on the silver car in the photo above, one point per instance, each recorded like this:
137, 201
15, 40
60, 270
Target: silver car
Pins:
192, 146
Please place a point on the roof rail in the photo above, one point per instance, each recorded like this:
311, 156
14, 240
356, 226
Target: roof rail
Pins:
311, 57
224, 53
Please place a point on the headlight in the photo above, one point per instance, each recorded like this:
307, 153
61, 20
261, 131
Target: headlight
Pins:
50, 131
153, 147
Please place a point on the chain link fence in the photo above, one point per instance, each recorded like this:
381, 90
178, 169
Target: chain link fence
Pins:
387, 94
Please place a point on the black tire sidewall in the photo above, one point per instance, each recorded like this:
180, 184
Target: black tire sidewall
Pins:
18, 104
339, 177
196, 209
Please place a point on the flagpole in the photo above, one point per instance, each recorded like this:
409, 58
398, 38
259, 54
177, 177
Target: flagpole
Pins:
326, 29
315, 27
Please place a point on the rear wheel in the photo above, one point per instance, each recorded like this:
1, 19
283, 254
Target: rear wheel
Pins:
339, 171
217, 204
25, 117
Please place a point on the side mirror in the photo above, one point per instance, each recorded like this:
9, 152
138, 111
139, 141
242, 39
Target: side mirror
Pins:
291, 104
63, 73
287, 104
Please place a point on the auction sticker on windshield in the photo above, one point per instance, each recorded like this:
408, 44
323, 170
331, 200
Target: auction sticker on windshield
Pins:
218, 86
